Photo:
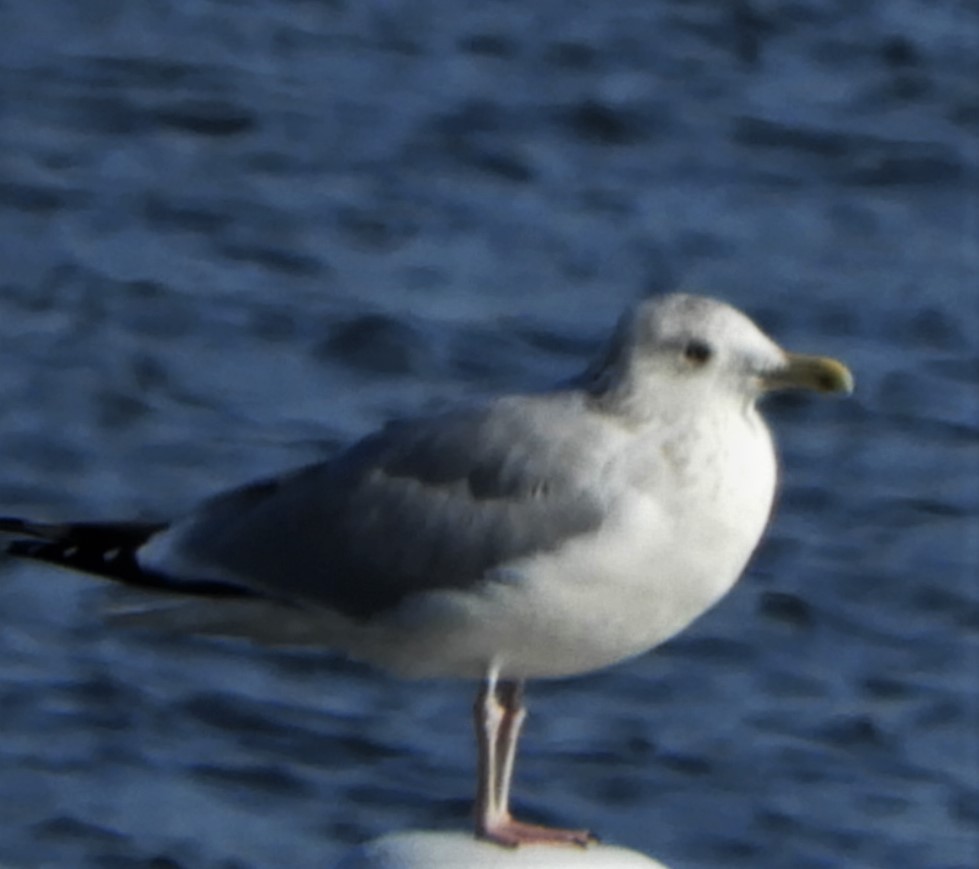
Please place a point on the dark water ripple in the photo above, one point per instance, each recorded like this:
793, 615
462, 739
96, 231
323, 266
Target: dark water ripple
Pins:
234, 236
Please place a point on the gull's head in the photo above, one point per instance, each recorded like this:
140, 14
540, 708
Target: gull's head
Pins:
679, 345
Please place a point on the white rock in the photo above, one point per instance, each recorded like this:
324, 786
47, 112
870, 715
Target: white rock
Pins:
422, 849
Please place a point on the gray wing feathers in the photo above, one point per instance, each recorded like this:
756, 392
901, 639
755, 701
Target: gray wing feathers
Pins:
422, 505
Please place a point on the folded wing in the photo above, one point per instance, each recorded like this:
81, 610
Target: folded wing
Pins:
423, 505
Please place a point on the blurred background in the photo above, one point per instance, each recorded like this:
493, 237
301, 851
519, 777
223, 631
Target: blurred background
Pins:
236, 235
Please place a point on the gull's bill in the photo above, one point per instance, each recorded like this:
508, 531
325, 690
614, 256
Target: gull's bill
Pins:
817, 373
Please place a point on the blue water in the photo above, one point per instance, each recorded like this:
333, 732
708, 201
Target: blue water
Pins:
235, 235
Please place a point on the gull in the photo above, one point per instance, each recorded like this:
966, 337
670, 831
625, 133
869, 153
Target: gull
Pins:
533, 536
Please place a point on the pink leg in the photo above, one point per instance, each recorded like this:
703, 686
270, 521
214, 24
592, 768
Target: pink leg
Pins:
499, 715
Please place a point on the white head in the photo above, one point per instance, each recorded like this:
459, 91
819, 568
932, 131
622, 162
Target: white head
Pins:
691, 345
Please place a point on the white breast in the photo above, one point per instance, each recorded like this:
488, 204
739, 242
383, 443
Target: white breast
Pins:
675, 541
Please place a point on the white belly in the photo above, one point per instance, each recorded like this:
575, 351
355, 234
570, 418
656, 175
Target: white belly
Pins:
654, 566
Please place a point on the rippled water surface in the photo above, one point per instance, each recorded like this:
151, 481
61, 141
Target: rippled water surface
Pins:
235, 235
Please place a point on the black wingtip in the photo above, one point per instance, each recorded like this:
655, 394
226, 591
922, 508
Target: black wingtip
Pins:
13, 525
104, 549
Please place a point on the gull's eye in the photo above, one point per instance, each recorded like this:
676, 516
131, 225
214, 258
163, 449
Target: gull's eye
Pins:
698, 352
